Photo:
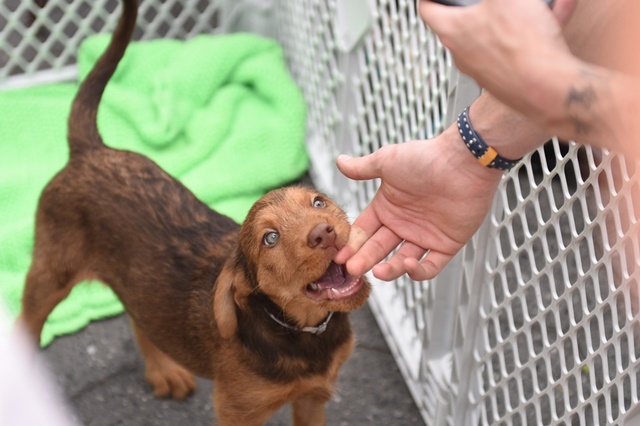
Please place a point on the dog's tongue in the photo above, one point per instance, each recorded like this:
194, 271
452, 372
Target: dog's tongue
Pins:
333, 277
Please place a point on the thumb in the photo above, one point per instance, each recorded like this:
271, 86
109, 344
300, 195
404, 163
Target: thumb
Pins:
563, 9
435, 15
359, 168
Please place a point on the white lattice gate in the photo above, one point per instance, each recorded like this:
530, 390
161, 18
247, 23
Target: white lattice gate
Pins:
536, 320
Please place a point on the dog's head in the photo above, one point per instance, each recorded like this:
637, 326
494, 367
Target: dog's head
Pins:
285, 251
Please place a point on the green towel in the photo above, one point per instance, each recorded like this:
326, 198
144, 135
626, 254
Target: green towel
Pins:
220, 113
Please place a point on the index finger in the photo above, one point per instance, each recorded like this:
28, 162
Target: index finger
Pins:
364, 227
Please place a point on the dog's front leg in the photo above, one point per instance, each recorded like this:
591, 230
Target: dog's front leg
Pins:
309, 410
244, 402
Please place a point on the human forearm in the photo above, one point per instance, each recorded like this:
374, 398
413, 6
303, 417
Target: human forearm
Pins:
598, 91
517, 52
579, 101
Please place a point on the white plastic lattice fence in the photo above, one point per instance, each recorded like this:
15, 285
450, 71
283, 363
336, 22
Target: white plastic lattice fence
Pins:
39, 39
536, 320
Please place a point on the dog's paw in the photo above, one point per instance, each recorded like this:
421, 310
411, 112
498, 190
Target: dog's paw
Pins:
171, 381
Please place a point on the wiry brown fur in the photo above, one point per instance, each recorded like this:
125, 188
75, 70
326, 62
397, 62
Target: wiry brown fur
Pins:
198, 287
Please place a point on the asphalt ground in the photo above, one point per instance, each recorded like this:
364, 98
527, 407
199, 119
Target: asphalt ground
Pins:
100, 374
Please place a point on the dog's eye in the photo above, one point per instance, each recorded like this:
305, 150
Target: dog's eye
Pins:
270, 239
319, 203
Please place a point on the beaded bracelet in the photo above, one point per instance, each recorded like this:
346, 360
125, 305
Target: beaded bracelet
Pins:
486, 155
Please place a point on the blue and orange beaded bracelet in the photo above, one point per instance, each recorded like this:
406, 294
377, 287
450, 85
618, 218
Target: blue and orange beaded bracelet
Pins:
486, 155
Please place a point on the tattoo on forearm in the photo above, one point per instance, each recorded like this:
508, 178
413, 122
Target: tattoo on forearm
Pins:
579, 101
582, 97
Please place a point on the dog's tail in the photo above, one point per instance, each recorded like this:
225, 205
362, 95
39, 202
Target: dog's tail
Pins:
83, 126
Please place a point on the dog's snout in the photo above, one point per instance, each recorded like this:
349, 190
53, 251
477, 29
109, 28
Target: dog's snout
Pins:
322, 235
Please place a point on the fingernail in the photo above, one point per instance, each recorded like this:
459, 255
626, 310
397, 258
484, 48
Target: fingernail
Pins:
344, 157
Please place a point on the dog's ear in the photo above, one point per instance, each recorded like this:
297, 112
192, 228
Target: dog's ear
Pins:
230, 292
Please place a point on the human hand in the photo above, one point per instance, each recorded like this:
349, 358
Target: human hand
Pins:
434, 196
503, 44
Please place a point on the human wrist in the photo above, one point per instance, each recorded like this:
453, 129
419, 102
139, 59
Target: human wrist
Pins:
510, 133
456, 154
487, 155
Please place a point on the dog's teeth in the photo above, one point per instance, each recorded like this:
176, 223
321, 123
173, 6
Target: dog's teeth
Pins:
314, 286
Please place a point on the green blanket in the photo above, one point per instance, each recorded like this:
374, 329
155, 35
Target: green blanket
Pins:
220, 113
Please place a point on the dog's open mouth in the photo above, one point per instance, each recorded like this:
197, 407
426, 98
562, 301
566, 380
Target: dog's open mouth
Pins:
334, 284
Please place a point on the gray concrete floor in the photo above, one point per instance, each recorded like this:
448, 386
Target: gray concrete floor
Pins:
100, 373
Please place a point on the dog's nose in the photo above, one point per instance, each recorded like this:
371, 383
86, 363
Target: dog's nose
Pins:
322, 235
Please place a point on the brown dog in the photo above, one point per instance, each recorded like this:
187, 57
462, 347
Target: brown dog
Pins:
260, 309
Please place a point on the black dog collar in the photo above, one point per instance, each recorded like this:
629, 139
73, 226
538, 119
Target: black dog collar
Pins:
313, 330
